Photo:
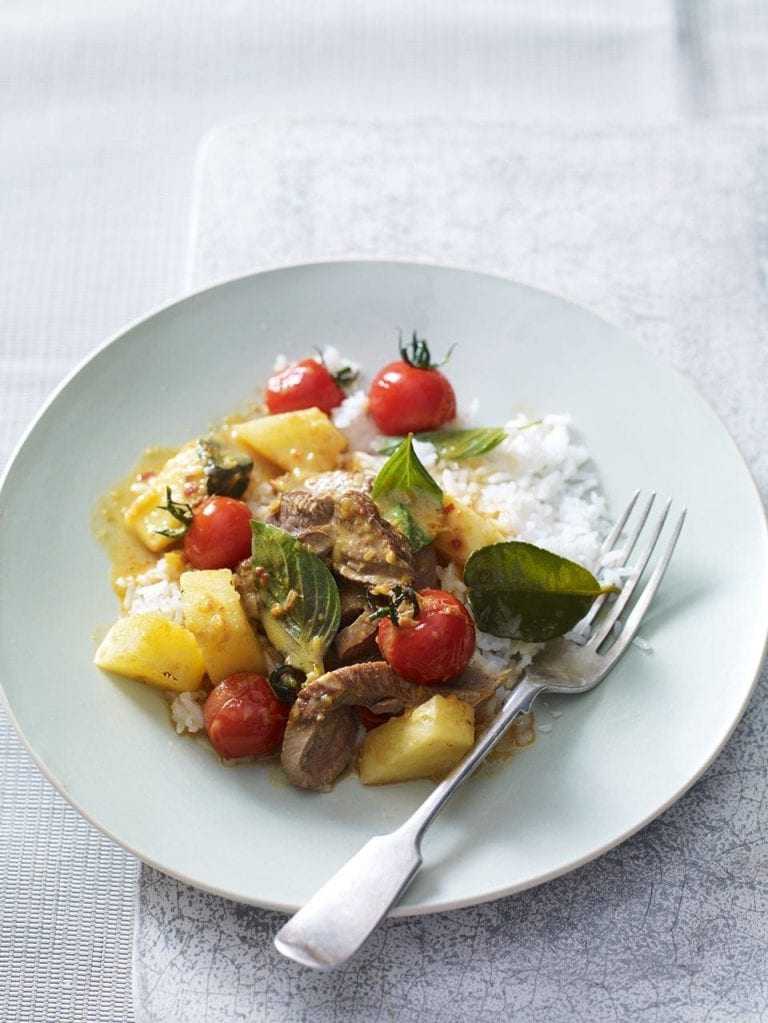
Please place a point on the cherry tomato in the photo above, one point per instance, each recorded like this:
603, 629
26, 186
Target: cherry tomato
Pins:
220, 533
243, 717
305, 384
411, 395
432, 646
405, 399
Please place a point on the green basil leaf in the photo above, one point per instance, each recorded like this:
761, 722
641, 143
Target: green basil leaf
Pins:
404, 521
524, 592
227, 470
407, 496
457, 444
403, 473
298, 597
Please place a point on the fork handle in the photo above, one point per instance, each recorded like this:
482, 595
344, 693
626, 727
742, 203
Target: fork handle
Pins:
341, 916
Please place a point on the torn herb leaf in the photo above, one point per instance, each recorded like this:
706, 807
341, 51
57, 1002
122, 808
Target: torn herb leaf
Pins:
455, 445
298, 598
524, 592
408, 497
227, 470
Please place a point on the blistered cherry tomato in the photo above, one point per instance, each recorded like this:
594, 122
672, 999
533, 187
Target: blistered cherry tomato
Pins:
305, 384
220, 533
243, 717
411, 395
434, 645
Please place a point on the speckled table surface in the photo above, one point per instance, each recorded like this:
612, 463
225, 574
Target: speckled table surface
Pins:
664, 232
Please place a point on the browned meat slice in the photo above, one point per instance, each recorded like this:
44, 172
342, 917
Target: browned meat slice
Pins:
354, 600
367, 549
357, 641
245, 584
425, 569
309, 519
474, 685
321, 735
348, 529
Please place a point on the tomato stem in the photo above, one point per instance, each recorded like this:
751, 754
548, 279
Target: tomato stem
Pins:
400, 596
417, 353
180, 511
344, 377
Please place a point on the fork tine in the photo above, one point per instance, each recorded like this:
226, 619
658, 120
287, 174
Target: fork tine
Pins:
630, 627
606, 626
610, 542
631, 542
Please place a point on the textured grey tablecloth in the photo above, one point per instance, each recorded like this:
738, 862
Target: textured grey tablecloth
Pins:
664, 232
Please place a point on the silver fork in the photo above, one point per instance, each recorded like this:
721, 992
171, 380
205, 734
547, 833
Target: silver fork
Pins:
340, 917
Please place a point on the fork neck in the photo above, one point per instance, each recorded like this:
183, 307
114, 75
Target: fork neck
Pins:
519, 701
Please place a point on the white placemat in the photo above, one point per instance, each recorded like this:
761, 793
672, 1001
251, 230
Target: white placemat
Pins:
663, 232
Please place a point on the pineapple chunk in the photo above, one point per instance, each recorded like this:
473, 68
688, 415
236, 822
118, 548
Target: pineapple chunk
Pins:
464, 530
175, 563
262, 469
425, 742
150, 648
214, 615
306, 440
185, 475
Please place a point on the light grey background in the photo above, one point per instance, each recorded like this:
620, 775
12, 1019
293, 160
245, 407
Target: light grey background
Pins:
102, 111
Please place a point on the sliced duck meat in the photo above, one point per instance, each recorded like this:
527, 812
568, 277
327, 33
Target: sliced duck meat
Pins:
425, 569
245, 584
354, 600
322, 731
474, 685
309, 518
389, 705
348, 531
357, 641
367, 549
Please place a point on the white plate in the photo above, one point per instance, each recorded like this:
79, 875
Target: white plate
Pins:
613, 760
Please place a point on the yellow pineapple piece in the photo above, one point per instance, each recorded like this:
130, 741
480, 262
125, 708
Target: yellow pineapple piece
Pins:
215, 616
464, 530
175, 564
425, 742
150, 648
185, 475
262, 469
305, 440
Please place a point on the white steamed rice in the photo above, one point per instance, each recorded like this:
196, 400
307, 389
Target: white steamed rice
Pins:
153, 590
